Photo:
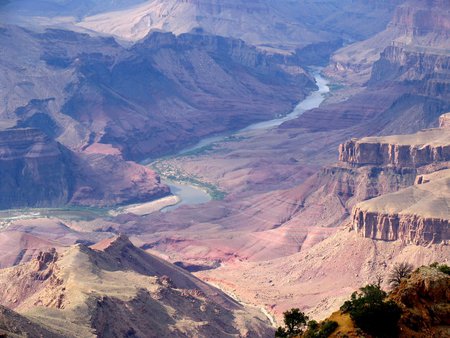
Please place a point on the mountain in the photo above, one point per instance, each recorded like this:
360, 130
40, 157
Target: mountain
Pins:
37, 171
56, 8
114, 289
269, 24
147, 100
280, 26
107, 104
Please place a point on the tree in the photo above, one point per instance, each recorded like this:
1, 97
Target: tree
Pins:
370, 312
294, 322
398, 272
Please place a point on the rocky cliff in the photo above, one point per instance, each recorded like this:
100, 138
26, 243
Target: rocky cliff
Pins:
419, 214
34, 170
444, 121
425, 147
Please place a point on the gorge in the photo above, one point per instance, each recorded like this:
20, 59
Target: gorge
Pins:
197, 168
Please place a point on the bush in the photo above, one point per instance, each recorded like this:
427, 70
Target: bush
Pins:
322, 330
444, 268
294, 322
398, 272
371, 313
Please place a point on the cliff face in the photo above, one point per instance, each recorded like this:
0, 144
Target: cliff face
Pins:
407, 64
353, 185
426, 69
409, 228
419, 214
34, 170
370, 152
444, 121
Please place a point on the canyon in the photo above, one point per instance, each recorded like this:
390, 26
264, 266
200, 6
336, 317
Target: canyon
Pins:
103, 102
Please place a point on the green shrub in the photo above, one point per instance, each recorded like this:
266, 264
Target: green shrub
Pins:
322, 330
444, 268
371, 313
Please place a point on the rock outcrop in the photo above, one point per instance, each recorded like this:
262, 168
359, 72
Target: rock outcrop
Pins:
423, 298
415, 150
116, 289
419, 214
37, 171
444, 121
34, 170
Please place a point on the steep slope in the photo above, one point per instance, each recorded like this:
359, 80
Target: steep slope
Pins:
423, 299
280, 25
14, 325
420, 26
115, 289
146, 100
37, 171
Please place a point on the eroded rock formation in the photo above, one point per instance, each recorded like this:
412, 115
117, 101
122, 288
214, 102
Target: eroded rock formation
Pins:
416, 150
419, 214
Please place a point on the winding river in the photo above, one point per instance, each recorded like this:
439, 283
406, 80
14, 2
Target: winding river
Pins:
186, 193
190, 195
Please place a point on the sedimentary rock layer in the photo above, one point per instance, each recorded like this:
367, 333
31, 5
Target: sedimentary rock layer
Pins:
403, 150
419, 214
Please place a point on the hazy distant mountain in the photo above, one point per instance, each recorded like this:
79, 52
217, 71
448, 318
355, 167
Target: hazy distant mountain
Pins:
78, 9
283, 24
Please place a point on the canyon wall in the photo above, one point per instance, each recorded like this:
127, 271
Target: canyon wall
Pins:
419, 214
409, 228
359, 152
34, 170
37, 171
444, 121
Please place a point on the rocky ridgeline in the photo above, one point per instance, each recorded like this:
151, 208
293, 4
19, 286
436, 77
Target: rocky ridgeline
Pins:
418, 214
377, 151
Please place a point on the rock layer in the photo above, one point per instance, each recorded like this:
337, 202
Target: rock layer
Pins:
404, 150
34, 170
411, 229
419, 214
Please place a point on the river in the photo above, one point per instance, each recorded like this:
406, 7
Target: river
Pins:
191, 195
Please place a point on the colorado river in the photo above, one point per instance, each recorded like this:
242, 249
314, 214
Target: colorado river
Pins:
187, 194
191, 195
312, 101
